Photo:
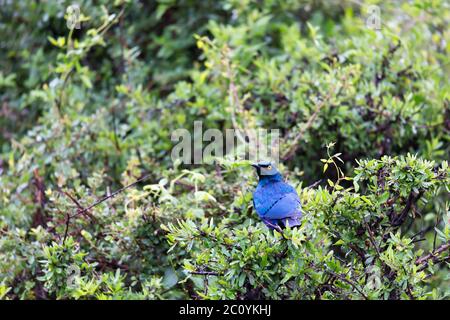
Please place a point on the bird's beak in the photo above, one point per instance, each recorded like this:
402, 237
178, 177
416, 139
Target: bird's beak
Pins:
254, 165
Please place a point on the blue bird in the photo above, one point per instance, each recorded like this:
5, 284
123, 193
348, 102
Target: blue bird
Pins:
276, 202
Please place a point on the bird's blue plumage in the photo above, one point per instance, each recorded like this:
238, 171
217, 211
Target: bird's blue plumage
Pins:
276, 202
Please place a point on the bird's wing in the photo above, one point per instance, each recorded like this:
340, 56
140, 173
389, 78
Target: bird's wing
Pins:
277, 201
288, 205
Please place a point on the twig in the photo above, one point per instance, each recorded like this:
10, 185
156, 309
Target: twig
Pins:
409, 292
435, 233
294, 146
299, 136
59, 100
358, 251
233, 98
80, 207
102, 30
204, 273
315, 184
372, 239
85, 211
112, 195
66, 231
397, 220
350, 282
432, 256
422, 232
114, 120
275, 227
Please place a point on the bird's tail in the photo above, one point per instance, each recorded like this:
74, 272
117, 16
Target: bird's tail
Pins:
292, 222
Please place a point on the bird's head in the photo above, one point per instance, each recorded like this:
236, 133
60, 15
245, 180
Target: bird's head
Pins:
265, 168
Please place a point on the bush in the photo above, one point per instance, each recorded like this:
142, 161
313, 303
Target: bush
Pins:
364, 121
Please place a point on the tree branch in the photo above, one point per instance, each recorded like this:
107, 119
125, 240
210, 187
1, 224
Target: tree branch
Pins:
433, 256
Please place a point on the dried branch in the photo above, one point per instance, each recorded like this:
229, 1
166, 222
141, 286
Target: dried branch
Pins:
85, 211
112, 195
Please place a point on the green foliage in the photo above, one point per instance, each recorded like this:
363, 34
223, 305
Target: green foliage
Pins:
350, 245
364, 120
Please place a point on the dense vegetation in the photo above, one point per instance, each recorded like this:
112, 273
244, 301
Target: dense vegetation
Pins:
364, 116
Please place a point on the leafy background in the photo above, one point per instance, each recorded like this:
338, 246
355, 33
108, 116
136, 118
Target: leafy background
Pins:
364, 120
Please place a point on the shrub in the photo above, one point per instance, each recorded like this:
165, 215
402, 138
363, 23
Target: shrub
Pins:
352, 245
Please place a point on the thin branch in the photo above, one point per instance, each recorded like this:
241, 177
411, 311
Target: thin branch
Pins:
112, 195
299, 136
435, 233
275, 227
85, 211
372, 240
204, 273
80, 207
294, 146
66, 230
397, 220
350, 282
315, 184
432, 256
358, 251
235, 103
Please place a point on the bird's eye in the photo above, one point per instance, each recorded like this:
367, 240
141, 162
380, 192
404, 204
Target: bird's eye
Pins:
269, 167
